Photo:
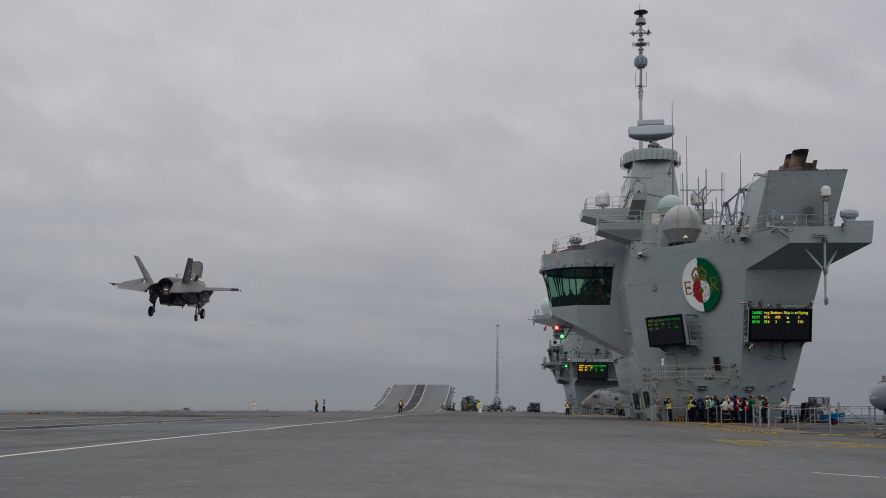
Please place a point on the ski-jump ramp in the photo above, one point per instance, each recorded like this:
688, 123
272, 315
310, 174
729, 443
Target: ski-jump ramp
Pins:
417, 398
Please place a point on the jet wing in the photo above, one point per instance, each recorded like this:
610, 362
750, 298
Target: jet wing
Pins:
138, 284
145, 274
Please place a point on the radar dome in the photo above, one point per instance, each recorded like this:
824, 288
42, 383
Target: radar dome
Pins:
546, 307
667, 202
602, 199
681, 224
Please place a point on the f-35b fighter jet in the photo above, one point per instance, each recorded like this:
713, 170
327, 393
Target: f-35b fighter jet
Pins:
188, 290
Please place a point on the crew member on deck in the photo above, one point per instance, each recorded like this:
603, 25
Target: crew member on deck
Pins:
400, 407
669, 407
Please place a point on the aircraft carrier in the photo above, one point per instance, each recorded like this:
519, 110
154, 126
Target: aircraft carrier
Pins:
679, 290
668, 295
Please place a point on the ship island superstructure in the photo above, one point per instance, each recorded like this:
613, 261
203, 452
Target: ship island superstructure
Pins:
672, 294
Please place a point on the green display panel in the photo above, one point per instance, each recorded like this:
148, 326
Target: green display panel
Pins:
794, 325
665, 330
592, 371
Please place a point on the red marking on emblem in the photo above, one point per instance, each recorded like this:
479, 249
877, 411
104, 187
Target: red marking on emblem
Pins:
697, 291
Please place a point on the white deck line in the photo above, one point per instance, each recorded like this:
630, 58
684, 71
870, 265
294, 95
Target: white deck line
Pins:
847, 475
187, 436
387, 393
411, 395
446, 399
423, 394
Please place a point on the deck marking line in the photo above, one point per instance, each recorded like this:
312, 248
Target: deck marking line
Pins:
847, 475
206, 434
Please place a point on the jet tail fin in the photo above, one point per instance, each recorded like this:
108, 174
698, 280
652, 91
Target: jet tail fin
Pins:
193, 271
145, 274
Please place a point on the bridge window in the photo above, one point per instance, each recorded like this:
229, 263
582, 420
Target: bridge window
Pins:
577, 286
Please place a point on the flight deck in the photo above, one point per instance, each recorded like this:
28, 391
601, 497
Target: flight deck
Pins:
443, 454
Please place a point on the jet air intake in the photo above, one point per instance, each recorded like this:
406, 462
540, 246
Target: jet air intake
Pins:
164, 286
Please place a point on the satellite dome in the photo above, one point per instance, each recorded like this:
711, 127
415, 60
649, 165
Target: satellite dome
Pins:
640, 61
681, 224
546, 307
602, 199
667, 202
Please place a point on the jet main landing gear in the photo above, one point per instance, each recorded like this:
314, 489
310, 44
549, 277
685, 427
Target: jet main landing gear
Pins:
151, 310
199, 313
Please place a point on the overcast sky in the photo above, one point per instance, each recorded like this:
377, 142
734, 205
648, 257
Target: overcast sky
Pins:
381, 179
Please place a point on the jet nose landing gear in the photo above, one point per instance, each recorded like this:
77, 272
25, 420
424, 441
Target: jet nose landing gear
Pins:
151, 310
199, 313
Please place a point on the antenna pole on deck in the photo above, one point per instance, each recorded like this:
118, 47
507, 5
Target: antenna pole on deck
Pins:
496, 400
640, 61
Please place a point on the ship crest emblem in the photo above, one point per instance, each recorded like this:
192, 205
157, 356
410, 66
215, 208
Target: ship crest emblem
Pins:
701, 285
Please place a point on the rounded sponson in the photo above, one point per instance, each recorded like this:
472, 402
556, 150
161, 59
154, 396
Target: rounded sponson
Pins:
878, 396
681, 224
667, 202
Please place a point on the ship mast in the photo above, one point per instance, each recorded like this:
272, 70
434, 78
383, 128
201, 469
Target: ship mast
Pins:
496, 400
640, 60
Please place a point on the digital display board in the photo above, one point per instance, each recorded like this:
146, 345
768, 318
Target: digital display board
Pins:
780, 324
665, 330
592, 371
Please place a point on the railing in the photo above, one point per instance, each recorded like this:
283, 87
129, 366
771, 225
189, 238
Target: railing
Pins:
611, 411
786, 220
580, 355
687, 373
761, 223
574, 240
636, 216
865, 420
615, 201
830, 419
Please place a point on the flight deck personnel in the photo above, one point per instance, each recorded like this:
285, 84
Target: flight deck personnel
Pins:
753, 407
400, 407
726, 408
324, 406
782, 408
764, 409
669, 407
315, 406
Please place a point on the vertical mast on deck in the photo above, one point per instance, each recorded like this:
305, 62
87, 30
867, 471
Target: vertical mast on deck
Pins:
496, 400
640, 61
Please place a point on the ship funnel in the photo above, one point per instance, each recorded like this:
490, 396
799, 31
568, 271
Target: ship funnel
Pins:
798, 158
796, 161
